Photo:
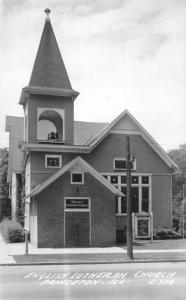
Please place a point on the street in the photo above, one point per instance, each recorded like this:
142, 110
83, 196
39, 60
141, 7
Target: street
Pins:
95, 281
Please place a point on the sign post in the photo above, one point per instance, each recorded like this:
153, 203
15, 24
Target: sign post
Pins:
27, 221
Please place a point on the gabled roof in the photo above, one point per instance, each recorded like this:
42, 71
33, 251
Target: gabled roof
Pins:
138, 129
88, 135
49, 75
86, 167
83, 131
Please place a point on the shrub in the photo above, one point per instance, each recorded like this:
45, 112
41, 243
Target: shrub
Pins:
11, 231
165, 234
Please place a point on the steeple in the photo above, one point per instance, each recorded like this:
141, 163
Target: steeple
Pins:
49, 75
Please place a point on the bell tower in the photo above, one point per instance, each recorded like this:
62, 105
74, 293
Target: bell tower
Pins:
48, 100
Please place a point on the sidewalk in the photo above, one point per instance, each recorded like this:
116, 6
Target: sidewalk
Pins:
164, 250
5, 258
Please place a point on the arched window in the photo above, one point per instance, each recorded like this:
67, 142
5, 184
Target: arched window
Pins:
50, 125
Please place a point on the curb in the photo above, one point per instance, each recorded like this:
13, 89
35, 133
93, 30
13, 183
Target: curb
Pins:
95, 262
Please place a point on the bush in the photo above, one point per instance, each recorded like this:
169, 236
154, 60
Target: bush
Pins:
165, 234
12, 231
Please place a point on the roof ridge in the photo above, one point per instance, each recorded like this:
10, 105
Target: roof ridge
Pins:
91, 122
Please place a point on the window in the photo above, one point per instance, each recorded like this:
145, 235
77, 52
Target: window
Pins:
114, 179
145, 179
135, 199
145, 199
135, 179
140, 191
53, 161
121, 164
77, 178
123, 179
124, 200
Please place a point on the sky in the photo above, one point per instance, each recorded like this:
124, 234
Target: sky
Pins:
121, 54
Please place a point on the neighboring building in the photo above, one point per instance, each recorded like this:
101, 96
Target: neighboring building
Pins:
75, 172
14, 125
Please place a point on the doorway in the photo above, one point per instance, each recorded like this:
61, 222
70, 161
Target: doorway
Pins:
77, 229
77, 225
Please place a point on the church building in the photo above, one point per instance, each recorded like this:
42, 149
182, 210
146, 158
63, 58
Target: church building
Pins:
75, 172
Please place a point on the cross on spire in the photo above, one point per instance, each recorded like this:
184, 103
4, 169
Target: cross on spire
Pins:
47, 11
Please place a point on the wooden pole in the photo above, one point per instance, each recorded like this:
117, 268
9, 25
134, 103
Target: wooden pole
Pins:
129, 204
26, 242
184, 196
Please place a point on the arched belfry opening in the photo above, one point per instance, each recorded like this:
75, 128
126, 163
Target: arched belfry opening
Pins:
50, 125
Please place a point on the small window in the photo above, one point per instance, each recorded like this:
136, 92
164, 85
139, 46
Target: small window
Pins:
124, 200
123, 179
145, 199
135, 199
114, 179
135, 180
52, 161
116, 205
121, 164
145, 179
77, 178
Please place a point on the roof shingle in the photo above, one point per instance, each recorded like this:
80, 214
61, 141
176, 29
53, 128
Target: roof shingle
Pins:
49, 69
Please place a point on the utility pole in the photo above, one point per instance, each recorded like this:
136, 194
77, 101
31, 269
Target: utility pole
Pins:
26, 242
129, 204
184, 208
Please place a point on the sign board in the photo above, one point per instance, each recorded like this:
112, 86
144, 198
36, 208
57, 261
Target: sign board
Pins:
143, 227
76, 204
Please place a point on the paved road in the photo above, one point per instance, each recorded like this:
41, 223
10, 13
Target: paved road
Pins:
110, 281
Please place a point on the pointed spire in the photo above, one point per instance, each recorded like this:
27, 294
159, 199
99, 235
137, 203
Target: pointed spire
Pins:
49, 75
49, 69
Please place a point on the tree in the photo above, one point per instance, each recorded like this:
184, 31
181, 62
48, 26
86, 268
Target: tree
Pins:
20, 198
179, 157
5, 205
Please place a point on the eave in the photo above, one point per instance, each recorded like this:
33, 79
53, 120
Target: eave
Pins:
55, 148
38, 90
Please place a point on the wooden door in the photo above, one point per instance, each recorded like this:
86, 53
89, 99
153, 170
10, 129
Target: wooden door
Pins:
77, 229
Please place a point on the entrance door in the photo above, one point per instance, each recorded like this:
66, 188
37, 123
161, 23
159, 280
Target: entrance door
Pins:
77, 229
